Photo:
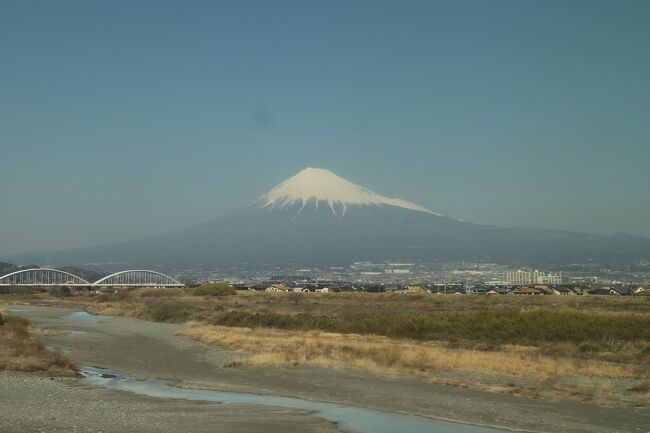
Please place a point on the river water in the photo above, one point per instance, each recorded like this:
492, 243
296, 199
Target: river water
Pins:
350, 419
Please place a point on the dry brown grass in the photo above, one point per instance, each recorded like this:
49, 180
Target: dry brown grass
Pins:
576, 369
161, 293
640, 387
396, 303
20, 351
382, 355
513, 369
389, 303
338, 304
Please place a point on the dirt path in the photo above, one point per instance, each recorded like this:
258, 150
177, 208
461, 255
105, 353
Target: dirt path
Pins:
150, 351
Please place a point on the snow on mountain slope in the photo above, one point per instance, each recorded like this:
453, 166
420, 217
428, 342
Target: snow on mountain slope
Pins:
320, 185
269, 232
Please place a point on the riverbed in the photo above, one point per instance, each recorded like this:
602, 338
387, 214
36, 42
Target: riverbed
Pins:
148, 359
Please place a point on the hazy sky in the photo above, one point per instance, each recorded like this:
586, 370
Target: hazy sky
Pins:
125, 118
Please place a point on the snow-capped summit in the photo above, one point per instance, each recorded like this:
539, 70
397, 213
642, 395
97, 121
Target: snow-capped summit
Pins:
302, 222
317, 185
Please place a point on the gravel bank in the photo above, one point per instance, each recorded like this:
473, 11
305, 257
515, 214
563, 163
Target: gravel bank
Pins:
149, 350
31, 403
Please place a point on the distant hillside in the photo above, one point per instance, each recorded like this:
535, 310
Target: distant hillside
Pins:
7, 268
319, 218
90, 276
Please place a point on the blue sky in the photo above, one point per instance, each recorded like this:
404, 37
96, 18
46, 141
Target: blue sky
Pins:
124, 118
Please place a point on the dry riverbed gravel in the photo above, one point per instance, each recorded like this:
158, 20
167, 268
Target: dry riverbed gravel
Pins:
32, 403
148, 350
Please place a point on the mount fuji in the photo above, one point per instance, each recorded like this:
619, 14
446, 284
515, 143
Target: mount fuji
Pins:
314, 187
319, 218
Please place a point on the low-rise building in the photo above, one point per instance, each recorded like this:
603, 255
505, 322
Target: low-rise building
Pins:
530, 291
415, 289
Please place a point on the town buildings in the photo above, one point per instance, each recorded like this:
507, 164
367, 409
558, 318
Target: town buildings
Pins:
520, 278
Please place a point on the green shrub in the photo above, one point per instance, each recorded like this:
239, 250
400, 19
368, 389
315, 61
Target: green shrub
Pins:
17, 325
169, 313
218, 289
161, 293
588, 347
60, 291
493, 327
278, 320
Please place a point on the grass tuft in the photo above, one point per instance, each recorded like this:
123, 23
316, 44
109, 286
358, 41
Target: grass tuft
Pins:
19, 351
167, 312
218, 289
640, 387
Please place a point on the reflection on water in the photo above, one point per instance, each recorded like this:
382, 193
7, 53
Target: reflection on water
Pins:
75, 333
348, 418
82, 316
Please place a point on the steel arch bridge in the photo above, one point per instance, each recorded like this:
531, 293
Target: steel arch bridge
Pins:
138, 278
42, 277
55, 277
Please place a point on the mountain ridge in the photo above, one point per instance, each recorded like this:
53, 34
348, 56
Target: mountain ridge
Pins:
319, 218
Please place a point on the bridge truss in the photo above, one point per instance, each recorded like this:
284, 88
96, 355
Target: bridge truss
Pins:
42, 277
138, 278
55, 277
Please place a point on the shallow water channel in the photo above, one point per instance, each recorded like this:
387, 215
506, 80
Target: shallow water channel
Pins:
348, 418
82, 316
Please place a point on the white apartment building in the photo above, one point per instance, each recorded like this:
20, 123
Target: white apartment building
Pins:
397, 271
529, 278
